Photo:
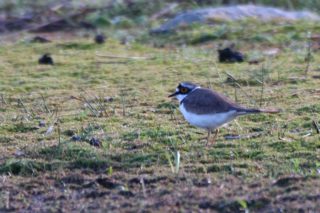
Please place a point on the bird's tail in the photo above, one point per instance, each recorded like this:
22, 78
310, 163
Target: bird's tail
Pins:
252, 111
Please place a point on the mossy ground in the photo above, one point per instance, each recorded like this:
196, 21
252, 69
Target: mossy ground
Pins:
122, 102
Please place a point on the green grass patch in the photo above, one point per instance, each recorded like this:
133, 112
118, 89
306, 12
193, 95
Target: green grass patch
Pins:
122, 102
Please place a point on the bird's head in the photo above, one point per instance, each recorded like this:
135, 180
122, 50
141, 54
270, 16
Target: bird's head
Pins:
183, 89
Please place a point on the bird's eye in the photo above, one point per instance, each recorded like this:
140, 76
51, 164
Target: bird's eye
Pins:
183, 90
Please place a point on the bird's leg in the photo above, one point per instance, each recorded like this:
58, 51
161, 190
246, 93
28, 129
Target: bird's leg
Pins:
214, 137
208, 137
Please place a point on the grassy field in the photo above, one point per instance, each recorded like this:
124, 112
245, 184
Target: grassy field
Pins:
96, 131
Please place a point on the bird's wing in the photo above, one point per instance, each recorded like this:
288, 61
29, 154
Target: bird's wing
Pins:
205, 101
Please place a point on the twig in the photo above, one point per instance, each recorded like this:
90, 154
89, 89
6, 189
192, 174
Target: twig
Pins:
54, 121
308, 56
7, 194
3, 99
247, 136
57, 122
20, 102
123, 105
29, 113
94, 111
59, 131
127, 57
239, 86
235, 94
316, 126
144, 191
45, 104
262, 85
112, 62
177, 161
102, 107
98, 109
164, 11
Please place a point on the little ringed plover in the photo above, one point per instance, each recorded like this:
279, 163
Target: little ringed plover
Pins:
208, 109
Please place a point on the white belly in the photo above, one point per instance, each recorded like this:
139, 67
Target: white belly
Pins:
211, 121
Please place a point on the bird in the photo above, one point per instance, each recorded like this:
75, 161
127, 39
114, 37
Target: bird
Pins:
40, 39
46, 59
228, 55
208, 109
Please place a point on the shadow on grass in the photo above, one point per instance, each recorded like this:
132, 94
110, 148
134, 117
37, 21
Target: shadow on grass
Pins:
78, 45
28, 166
73, 155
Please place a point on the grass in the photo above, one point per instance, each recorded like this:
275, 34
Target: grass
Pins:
141, 130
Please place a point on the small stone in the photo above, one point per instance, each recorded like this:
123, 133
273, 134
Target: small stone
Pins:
40, 39
203, 182
100, 38
107, 183
121, 188
69, 132
42, 123
49, 130
124, 41
108, 99
76, 138
95, 142
19, 153
126, 193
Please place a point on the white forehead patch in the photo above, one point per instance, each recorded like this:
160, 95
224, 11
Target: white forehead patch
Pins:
185, 84
188, 85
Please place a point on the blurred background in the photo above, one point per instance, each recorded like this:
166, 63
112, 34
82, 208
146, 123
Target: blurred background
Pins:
18, 15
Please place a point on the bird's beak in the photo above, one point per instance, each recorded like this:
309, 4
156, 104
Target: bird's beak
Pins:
173, 94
